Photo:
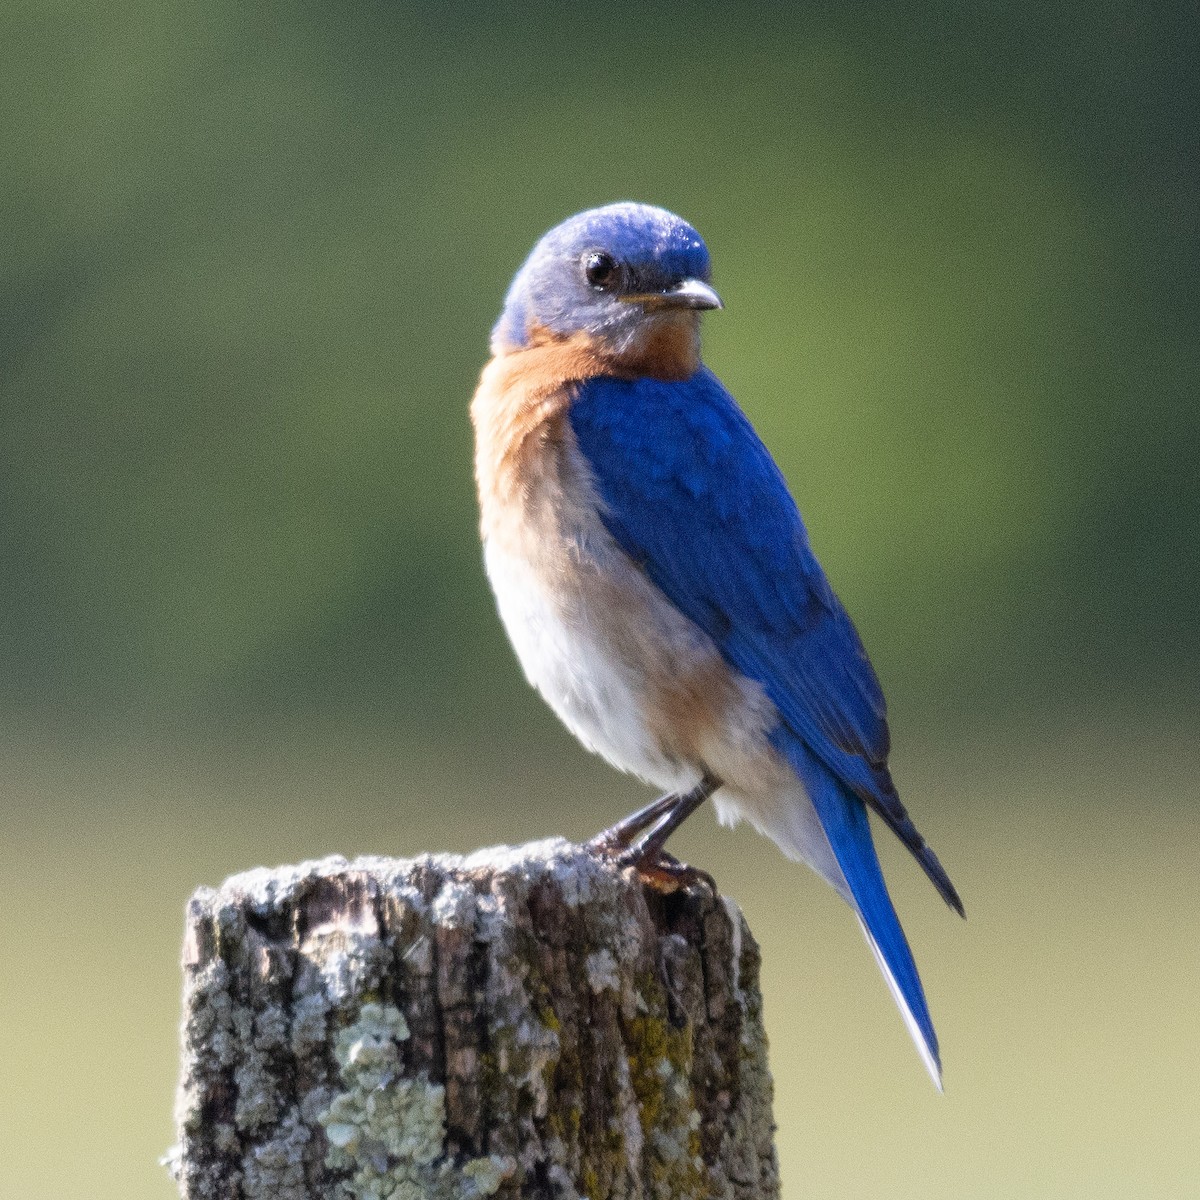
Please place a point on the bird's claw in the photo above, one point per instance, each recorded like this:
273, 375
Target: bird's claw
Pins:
664, 872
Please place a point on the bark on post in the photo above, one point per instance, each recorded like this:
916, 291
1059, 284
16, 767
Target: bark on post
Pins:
527, 1022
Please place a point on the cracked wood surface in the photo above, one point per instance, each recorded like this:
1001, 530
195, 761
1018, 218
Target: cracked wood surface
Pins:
529, 1022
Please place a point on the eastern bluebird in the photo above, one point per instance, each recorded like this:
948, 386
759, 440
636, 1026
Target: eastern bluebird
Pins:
656, 579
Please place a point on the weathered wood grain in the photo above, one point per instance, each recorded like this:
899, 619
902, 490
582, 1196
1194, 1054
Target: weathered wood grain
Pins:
529, 1022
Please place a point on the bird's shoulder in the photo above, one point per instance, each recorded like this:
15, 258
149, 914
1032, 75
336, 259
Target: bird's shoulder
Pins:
682, 453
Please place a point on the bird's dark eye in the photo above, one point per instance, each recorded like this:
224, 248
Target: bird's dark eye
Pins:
600, 270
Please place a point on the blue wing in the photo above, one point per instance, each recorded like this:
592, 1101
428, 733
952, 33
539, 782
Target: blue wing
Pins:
691, 493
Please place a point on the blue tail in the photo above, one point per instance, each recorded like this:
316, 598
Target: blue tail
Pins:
844, 819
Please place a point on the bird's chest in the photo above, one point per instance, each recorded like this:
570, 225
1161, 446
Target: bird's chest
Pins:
589, 634
593, 635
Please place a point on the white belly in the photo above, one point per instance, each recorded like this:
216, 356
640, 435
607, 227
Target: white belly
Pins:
565, 646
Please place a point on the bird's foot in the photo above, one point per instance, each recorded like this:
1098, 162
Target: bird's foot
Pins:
638, 840
664, 872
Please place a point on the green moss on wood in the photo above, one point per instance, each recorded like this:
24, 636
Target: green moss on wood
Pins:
660, 1066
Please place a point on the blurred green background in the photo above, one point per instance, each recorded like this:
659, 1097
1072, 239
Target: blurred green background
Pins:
250, 258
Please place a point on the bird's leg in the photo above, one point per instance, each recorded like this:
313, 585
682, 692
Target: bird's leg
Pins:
620, 835
647, 854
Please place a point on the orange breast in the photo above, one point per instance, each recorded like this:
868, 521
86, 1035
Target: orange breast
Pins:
527, 478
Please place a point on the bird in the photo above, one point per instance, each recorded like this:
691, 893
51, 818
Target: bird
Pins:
656, 579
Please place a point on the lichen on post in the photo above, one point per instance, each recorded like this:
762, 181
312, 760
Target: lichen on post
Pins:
529, 1022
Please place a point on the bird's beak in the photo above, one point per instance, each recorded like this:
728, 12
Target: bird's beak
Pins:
691, 293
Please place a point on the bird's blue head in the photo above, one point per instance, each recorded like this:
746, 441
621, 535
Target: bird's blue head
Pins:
616, 274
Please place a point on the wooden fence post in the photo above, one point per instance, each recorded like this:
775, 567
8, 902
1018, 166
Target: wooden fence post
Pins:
528, 1022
